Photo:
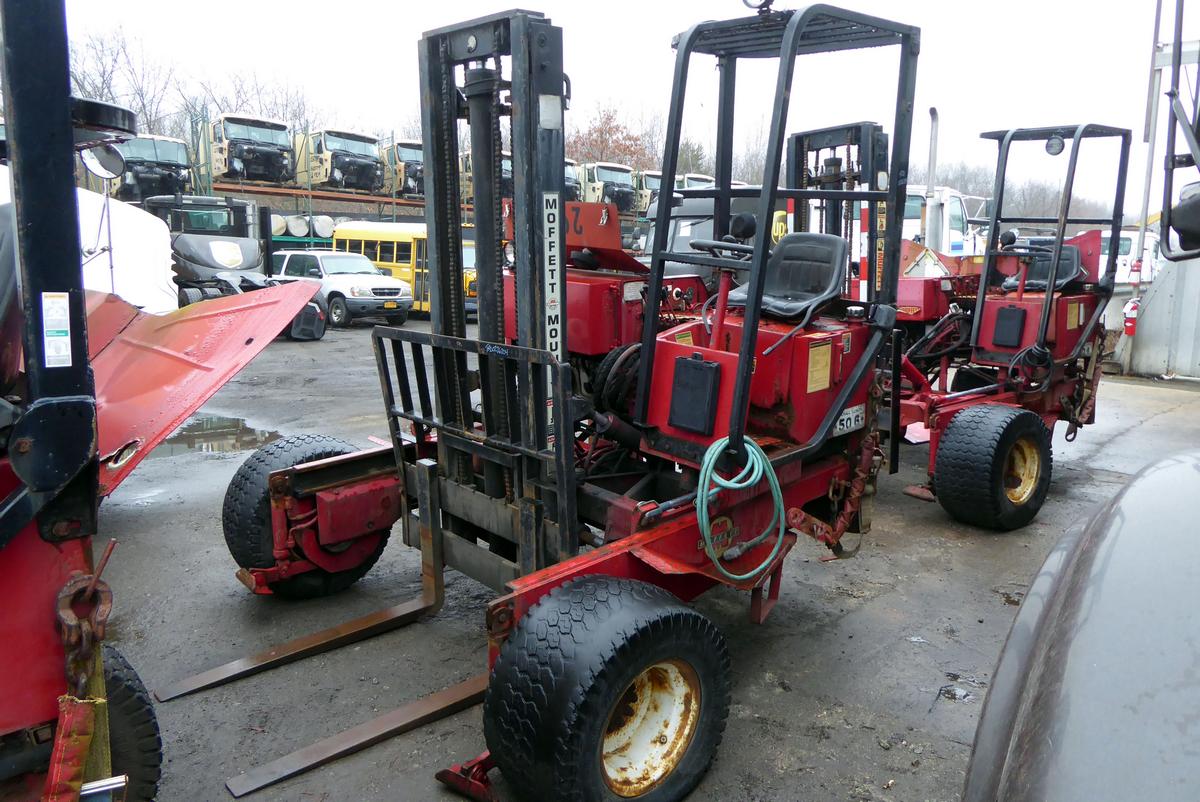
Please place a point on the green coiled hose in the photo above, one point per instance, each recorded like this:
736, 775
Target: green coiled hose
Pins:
758, 465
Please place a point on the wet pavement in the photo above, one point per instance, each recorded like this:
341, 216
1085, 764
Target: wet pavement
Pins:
864, 684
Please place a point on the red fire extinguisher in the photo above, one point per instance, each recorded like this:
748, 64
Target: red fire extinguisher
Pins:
1131, 313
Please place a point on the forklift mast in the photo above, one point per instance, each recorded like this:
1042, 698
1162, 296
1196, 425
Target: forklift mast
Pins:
843, 157
502, 445
783, 35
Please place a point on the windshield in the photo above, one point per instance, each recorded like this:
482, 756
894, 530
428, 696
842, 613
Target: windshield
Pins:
686, 229
153, 150
571, 173
256, 133
652, 181
203, 221
409, 153
694, 181
614, 175
914, 206
1123, 248
348, 263
356, 146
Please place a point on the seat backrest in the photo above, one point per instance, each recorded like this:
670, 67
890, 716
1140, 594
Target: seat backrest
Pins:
1070, 268
804, 272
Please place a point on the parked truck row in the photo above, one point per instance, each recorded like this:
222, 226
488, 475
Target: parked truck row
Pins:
239, 149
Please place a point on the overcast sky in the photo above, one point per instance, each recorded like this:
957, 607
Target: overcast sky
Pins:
985, 64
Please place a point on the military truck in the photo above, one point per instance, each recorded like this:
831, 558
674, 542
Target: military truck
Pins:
572, 186
240, 148
404, 168
646, 183
606, 182
154, 165
339, 160
466, 183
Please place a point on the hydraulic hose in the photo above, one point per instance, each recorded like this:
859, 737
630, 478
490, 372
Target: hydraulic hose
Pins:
758, 466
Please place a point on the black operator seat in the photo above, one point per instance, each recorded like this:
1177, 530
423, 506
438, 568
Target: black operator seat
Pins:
1070, 268
804, 272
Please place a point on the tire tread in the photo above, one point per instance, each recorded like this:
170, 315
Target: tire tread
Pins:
565, 645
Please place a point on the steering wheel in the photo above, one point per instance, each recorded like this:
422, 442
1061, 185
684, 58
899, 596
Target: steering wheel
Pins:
737, 250
1024, 250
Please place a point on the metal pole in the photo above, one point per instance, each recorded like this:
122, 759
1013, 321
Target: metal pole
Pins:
933, 207
41, 156
481, 88
1149, 136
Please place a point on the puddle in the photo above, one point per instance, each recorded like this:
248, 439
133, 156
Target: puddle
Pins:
213, 434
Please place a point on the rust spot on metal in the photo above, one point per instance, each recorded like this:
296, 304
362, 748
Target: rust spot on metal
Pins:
650, 728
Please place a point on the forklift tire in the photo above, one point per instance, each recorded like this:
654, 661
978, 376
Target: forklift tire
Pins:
616, 379
246, 515
607, 689
993, 466
132, 728
600, 375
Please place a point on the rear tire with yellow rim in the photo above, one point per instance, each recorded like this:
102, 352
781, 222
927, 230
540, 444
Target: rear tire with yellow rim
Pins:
993, 466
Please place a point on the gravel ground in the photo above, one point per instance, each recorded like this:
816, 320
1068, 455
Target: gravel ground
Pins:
836, 697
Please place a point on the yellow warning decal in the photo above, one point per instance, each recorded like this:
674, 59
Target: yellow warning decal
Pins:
819, 365
684, 337
1073, 315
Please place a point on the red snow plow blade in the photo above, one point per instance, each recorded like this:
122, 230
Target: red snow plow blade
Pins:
153, 371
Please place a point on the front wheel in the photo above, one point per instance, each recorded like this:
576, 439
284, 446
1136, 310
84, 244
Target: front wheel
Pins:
993, 466
339, 312
132, 728
608, 689
397, 320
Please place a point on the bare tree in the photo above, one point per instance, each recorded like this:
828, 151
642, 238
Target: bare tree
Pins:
96, 67
969, 179
146, 87
750, 160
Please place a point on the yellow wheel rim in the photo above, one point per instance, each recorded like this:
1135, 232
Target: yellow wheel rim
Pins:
650, 727
1022, 470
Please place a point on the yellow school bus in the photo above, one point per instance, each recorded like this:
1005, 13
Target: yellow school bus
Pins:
400, 249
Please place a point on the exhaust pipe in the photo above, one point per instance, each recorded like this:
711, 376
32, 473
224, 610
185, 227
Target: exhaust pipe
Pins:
933, 207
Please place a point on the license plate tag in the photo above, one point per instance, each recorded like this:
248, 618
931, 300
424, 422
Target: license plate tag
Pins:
389, 304
851, 419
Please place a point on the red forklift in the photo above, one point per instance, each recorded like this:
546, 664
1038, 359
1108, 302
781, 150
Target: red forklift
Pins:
88, 386
725, 438
1018, 350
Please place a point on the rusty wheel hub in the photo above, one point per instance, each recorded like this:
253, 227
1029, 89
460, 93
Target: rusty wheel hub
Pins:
650, 727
